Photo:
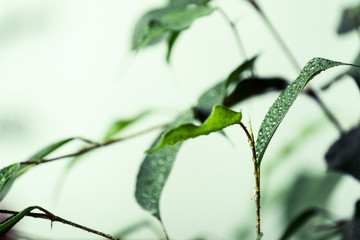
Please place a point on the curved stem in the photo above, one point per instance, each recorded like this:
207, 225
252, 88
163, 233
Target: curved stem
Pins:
53, 218
257, 179
235, 32
93, 147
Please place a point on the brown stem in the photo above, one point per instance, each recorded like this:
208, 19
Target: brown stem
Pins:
53, 218
257, 179
95, 146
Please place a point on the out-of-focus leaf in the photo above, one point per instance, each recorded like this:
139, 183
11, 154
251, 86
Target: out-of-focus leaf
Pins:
282, 104
309, 191
173, 36
9, 174
159, 22
350, 20
236, 75
254, 86
351, 229
155, 170
120, 125
220, 118
131, 229
8, 224
344, 155
299, 221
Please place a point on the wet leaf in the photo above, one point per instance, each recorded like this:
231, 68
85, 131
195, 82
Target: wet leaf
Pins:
344, 155
120, 125
283, 103
155, 169
220, 118
8, 224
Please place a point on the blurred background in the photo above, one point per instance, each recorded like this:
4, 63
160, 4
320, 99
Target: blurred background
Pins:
66, 69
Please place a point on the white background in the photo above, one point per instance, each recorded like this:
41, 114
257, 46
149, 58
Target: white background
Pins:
66, 70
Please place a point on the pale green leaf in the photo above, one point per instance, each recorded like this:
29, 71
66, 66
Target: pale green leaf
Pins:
283, 103
220, 118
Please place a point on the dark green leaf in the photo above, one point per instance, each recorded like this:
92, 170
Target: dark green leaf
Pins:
300, 221
349, 20
120, 125
236, 75
344, 155
8, 224
155, 170
220, 118
253, 86
283, 103
351, 229
173, 36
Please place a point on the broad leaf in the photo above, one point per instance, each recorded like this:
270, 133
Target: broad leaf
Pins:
351, 229
170, 19
220, 118
349, 20
300, 221
9, 174
155, 170
120, 125
283, 103
254, 86
344, 155
8, 224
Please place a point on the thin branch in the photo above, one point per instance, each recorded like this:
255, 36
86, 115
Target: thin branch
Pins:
94, 146
53, 218
295, 64
235, 32
257, 179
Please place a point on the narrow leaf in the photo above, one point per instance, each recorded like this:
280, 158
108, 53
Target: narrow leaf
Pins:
122, 124
155, 169
283, 103
221, 117
344, 155
9, 174
171, 41
236, 74
8, 224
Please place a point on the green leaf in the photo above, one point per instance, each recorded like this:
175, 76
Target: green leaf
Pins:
236, 74
299, 221
120, 125
221, 117
155, 169
344, 155
8, 224
9, 174
171, 41
349, 20
283, 103
169, 20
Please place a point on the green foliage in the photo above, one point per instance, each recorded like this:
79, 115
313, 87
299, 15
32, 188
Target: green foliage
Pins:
283, 103
221, 117
8, 224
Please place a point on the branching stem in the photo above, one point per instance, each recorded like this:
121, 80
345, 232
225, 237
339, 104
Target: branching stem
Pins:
257, 178
94, 146
53, 218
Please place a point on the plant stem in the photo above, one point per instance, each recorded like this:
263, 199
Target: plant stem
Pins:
235, 32
295, 64
53, 218
257, 179
94, 146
